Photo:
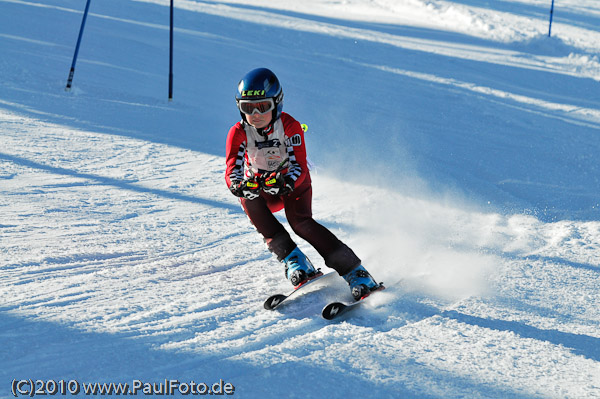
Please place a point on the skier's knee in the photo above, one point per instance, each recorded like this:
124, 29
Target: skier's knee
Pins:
303, 227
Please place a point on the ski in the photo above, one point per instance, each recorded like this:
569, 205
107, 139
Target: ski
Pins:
335, 309
276, 300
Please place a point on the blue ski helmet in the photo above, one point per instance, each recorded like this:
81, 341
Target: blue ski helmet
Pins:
258, 84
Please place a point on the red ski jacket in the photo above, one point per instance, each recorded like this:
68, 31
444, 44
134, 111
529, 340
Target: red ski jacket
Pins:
250, 153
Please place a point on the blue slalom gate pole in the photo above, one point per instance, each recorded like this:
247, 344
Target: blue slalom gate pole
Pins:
551, 13
72, 72
171, 56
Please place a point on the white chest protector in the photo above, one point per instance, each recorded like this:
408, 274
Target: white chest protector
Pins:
265, 155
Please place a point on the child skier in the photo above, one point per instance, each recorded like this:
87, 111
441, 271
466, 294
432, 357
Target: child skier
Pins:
267, 169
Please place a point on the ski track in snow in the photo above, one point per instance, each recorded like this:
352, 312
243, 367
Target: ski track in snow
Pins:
124, 257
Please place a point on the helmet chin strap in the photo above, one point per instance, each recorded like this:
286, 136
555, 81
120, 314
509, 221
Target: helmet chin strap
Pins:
264, 131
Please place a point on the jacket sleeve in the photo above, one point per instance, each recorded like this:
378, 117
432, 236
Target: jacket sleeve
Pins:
235, 151
296, 149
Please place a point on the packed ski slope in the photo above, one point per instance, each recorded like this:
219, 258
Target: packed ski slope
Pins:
456, 150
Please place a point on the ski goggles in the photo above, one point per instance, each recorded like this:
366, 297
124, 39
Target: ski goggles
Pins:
250, 107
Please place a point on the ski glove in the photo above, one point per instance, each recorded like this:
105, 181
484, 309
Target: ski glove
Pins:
278, 184
247, 188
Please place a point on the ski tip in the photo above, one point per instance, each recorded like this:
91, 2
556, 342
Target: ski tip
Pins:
273, 301
332, 310
335, 309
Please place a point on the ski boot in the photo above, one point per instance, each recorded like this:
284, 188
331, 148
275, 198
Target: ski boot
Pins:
361, 283
298, 268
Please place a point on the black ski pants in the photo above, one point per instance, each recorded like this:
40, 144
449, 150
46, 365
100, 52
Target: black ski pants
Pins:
298, 211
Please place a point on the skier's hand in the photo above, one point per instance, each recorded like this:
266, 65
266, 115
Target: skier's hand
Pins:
273, 183
235, 188
288, 187
247, 188
277, 184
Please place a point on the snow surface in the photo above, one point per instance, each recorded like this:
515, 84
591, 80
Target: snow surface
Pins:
456, 148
